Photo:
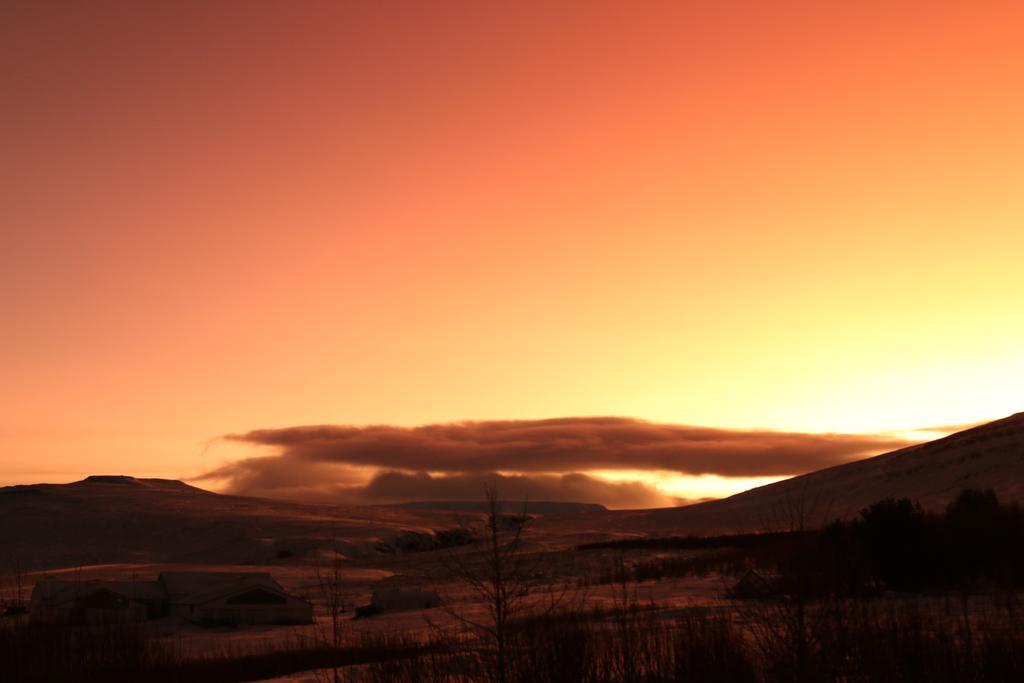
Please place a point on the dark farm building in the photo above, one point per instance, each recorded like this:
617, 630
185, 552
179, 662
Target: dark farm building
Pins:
199, 597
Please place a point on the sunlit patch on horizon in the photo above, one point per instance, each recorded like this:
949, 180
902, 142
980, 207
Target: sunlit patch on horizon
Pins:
688, 487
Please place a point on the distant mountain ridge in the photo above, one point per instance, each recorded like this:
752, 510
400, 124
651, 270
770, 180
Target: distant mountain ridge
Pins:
540, 507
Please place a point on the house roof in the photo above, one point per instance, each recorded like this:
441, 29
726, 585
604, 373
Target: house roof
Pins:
753, 584
57, 592
218, 595
196, 588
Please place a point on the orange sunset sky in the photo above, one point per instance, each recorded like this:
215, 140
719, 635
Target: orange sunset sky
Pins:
221, 218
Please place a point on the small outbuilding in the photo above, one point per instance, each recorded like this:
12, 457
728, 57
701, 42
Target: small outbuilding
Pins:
752, 585
87, 602
200, 597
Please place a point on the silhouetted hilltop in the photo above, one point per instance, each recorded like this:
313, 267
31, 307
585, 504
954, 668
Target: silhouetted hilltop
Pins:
509, 507
118, 518
111, 479
125, 480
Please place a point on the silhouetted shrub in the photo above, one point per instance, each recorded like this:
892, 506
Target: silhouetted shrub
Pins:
894, 545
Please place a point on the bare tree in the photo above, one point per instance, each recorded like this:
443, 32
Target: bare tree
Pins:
500, 577
627, 624
787, 628
330, 588
800, 508
5, 601
18, 582
12, 603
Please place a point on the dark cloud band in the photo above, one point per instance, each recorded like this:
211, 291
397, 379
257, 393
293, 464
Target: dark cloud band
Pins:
568, 444
545, 457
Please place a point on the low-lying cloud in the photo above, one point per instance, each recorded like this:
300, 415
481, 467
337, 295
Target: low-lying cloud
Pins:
398, 487
541, 459
568, 444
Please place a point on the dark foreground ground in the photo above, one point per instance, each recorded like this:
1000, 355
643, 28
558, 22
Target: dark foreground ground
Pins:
895, 595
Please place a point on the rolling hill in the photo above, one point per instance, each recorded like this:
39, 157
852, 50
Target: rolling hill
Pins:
112, 519
990, 456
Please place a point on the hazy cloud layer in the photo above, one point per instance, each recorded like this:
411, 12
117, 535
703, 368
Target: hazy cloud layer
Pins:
396, 487
567, 445
388, 464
